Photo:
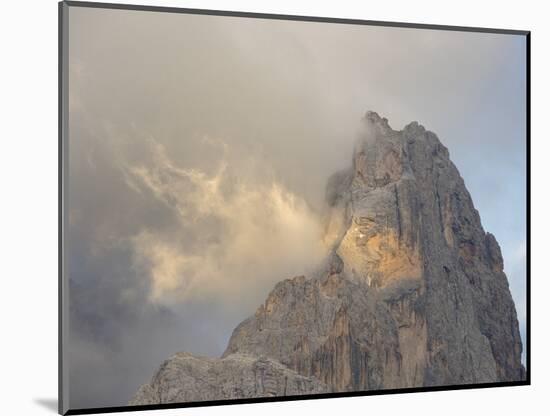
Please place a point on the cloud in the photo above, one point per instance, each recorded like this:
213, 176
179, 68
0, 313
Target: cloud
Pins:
199, 153
233, 234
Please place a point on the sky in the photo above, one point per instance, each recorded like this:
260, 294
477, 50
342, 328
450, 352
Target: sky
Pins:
192, 136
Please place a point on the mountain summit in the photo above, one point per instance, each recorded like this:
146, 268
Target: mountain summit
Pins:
412, 294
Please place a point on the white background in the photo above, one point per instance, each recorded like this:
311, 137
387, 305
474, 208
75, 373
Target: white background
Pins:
28, 208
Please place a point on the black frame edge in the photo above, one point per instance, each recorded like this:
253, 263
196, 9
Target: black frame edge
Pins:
528, 202
273, 16
63, 404
60, 395
293, 398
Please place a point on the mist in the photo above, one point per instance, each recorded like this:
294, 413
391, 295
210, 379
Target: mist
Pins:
200, 147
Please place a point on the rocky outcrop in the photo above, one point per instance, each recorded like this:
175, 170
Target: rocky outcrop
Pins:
185, 378
413, 292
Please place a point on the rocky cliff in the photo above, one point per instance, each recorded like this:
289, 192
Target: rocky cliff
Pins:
413, 292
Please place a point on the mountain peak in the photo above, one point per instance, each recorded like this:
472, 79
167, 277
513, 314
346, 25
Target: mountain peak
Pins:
375, 117
372, 119
412, 294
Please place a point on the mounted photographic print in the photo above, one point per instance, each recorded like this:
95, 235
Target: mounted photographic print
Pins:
263, 207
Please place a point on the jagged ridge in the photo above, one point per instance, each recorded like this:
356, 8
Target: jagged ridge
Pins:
412, 294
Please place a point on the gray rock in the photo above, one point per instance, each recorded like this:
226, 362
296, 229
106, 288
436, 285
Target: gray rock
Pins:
412, 294
185, 378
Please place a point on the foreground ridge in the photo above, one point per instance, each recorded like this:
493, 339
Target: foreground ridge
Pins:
412, 294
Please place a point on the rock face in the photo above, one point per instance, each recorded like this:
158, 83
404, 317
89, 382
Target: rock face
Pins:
412, 294
185, 378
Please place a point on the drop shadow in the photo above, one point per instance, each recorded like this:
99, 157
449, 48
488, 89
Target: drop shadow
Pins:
49, 404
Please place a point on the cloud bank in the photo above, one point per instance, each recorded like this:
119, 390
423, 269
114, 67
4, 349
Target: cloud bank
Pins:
232, 234
199, 151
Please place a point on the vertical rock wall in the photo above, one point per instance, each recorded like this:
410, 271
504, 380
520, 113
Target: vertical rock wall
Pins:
412, 294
